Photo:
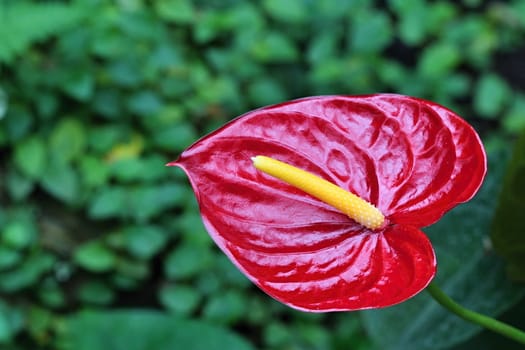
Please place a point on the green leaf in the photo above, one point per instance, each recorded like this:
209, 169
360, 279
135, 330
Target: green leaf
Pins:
323, 46
438, 60
191, 226
18, 234
277, 335
180, 11
9, 257
508, 227
491, 95
413, 20
95, 292
144, 103
25, 23
476, 37
18, 186
468, 273
109, 202
79, 85
179, 298
145, 202
94, 172
61, 181
186, 261
27, 273
266, 91
176, 137
514, 119
125, 72
108, 103
132, 268
370, 32
287, 11
139, 169
18, 122
95, 256
50, 293
274, 47
39, 321
144, 242
143, 330
11, 322
30, 157
68, 140
227, 307
334, 9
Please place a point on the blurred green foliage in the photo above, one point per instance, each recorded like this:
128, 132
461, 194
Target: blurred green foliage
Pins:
97, 95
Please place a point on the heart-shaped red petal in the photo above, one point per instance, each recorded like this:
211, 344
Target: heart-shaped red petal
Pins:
411, 158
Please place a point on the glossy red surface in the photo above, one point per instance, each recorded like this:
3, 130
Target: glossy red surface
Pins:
411, 158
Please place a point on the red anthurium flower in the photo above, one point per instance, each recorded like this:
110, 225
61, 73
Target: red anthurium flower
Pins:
412, 159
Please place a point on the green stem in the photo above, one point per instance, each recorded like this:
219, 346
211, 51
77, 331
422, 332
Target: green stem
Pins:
474, 317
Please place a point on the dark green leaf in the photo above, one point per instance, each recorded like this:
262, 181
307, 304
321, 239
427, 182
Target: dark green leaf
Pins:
132, 268
18, 234
30, 157
95, 292
186, 261
370, 32
175, 137
179, 298
323, 46
25, 23
413, 20
94, 172
438, 60
191, 227
95, 256
508, 227
274, 47
143, 169
79, 85
514, 120
287, 11
277, 335
143, 330
28, 273
145, 202
266, 91
51, 294
18, 122
226, 307
180, 11
11, 321
108, 103
491, 94
67, 141
144, 103
61, 181
124, 73
144, 241
9, 257
39, 321
18, 186
110, 202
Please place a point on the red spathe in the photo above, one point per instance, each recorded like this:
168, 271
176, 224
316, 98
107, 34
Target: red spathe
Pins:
411, 158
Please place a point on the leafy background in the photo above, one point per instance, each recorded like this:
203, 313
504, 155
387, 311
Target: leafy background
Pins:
102, 246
